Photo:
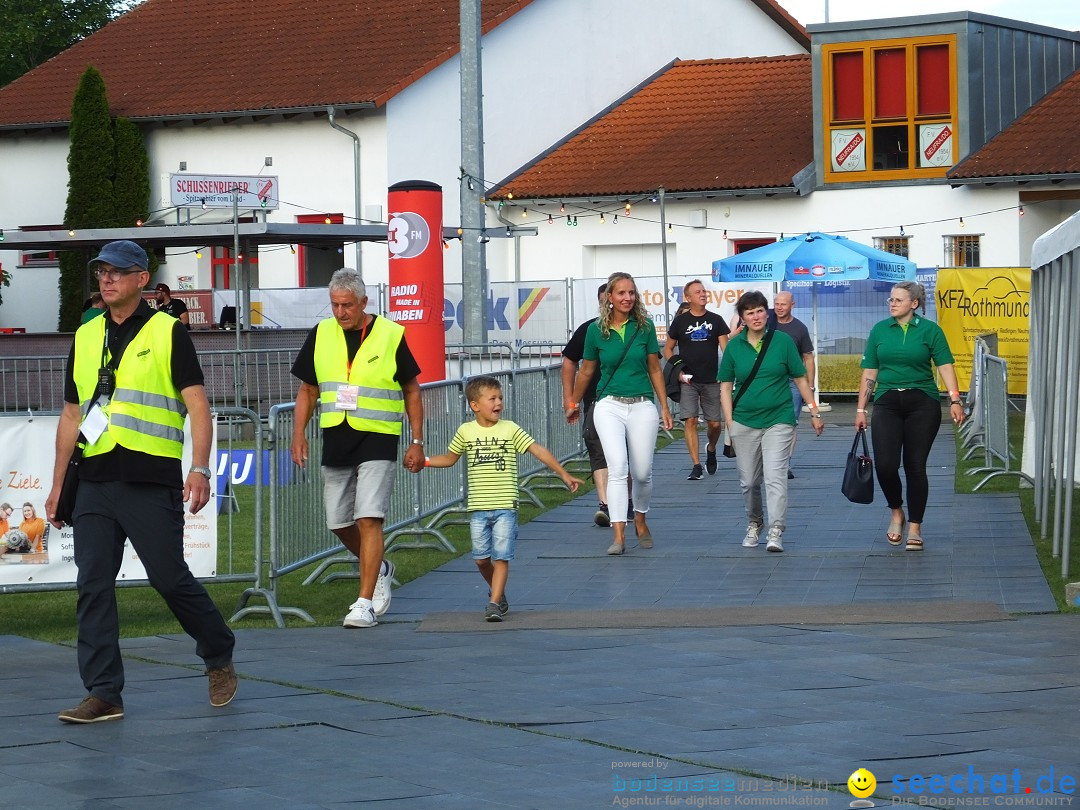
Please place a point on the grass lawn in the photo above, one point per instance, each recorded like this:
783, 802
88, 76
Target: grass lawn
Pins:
1051, 565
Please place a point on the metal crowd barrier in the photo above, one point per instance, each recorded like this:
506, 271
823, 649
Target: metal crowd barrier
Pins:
993, 405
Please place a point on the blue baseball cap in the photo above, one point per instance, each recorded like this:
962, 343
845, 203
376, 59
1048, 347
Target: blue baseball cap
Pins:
121, 254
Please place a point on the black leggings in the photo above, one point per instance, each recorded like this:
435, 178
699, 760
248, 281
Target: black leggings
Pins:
905, 424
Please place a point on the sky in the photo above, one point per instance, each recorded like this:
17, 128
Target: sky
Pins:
1054, 13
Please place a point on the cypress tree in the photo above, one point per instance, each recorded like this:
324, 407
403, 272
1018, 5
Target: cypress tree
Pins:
131, 182
91, 162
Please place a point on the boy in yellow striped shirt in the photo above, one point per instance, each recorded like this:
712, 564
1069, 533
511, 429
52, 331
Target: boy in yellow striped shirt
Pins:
490, 446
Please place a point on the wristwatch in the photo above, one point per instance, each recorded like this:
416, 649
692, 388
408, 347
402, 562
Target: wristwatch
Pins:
203, 471
418, 441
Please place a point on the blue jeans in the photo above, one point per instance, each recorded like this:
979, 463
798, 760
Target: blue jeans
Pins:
493, 533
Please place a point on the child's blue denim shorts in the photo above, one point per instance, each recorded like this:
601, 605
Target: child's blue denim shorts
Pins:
494, 534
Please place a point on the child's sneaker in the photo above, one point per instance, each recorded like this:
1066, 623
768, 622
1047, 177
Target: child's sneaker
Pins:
492, 613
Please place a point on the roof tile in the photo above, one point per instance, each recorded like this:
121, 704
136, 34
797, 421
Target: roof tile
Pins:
701, 125
1044, 140
168, 58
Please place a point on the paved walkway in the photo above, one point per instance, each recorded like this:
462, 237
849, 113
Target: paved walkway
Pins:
695, 674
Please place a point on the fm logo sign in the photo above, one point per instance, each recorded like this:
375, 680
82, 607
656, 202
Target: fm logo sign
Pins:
407, 235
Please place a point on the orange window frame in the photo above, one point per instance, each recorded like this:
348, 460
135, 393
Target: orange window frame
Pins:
911, 120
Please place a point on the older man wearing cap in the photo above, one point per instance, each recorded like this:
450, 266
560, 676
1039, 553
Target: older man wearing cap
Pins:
169, 305
132, 377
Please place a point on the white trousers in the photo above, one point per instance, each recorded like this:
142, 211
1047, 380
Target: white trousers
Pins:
628, 434
763, 456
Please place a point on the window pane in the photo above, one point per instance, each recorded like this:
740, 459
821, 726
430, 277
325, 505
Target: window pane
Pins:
891, 147
848, 86
890, 83
897, 245
933, 80
962, 251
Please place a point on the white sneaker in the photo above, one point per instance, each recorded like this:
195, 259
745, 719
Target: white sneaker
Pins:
359, 617
775, 542
380, 600
753, 532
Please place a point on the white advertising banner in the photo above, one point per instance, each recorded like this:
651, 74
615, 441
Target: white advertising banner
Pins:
530, 312
47, 555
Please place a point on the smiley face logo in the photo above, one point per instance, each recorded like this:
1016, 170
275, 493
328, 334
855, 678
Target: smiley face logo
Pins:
861, 783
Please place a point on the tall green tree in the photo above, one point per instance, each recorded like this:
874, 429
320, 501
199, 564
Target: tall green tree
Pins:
34, 31
91, 168
131, 180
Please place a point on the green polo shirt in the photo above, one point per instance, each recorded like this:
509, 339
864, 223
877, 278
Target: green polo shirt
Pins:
631, 378
903, 357
767, 401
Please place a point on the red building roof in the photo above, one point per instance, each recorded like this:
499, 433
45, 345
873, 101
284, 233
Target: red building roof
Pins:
208, 58
1045, 140
698, 126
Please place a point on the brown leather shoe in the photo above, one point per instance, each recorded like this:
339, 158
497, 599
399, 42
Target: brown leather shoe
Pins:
91, 710
222, 685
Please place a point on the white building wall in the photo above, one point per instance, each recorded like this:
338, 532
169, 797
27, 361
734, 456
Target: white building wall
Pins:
552, 67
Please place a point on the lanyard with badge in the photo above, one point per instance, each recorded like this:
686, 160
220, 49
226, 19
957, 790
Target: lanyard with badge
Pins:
96, 420
347, 393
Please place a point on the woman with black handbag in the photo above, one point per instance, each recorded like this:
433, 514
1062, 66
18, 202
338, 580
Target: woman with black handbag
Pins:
898, 372
622, 343
758, 364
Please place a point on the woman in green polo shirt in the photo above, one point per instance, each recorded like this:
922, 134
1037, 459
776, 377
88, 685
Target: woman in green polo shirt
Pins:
622, 344
762, 424
898, 372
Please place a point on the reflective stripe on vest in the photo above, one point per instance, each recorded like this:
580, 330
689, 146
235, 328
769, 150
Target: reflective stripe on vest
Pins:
380, 405
146, 412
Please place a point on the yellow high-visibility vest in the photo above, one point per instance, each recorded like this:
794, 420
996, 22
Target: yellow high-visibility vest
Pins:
380, 405
146, 411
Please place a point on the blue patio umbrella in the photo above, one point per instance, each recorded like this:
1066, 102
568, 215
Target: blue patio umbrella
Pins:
815, 258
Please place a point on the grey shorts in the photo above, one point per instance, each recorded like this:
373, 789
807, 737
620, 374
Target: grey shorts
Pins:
698, 397
351, 493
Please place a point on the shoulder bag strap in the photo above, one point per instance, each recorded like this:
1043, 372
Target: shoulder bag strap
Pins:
753, 372
626, 348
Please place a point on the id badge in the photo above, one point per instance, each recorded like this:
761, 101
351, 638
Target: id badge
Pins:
346, 397
94, 424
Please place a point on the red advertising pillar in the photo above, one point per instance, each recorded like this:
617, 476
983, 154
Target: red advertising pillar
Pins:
416, 272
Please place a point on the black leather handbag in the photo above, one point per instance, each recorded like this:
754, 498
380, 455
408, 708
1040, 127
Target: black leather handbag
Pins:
858, 485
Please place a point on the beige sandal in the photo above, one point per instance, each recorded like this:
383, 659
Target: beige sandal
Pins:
914, 544
895, 534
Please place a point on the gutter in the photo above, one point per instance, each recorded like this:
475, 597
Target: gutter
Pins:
331, 115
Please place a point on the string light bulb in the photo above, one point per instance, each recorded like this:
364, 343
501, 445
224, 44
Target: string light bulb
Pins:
962, 222
445, 245
669, 228
626, 208
509, 232
509, 195
1020, 211
615, 220
292, 249
524, 212
138, 223
562, 208
204, 203
603, 221
551, 221
725, 234
470, 183
71, 232
198, 254
327, 221
902, 231
1, 234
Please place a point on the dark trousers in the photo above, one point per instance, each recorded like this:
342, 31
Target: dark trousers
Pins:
904, 427
152, 517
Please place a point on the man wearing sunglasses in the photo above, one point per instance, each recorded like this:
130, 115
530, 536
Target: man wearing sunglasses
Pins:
132, 378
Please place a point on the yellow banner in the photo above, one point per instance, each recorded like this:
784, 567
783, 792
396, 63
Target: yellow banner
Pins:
992, 301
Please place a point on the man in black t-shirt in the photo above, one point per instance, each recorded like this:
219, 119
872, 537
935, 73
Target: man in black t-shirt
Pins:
363, 393
171, 306
700, 336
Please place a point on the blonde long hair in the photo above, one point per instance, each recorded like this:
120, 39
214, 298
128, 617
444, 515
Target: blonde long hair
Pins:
638, 313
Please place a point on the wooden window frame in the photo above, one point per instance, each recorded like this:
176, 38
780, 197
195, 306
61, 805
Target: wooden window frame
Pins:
867, 126
884, 242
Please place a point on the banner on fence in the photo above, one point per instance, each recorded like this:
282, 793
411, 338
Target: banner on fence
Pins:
974, 301
27, 479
